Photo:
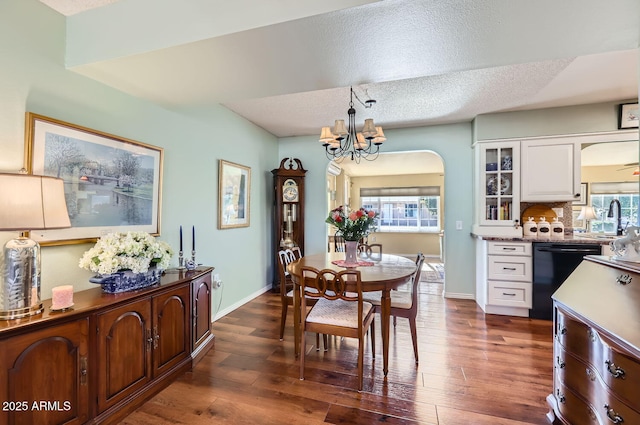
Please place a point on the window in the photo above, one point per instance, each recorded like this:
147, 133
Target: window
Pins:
600, 204
601, 196
404, 209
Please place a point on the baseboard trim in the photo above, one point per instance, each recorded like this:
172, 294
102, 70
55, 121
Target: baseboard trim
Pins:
458, 295
240, 303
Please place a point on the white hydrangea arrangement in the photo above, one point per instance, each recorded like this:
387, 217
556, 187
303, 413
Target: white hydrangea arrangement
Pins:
135, 251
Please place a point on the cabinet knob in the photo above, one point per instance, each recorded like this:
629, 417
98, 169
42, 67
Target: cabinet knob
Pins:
577, 195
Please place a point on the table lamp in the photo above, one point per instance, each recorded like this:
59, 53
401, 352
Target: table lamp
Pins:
27, 203
587, 213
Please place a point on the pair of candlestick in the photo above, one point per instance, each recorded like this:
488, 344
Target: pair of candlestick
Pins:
181, 264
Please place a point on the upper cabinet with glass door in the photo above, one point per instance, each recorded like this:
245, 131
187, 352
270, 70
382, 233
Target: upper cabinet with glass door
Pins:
498, 188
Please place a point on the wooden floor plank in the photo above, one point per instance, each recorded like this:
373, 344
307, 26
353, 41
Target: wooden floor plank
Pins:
475, 369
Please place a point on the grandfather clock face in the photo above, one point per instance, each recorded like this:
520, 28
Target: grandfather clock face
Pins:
290, 191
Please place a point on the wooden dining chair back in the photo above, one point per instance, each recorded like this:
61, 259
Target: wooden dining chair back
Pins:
338, 243
297, 252
286, 257
371, 251
403, 303
340, 309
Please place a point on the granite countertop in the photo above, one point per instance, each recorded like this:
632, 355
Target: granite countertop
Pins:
567, 239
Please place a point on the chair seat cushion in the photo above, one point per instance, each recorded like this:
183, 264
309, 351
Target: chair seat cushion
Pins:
399, 299
337, 312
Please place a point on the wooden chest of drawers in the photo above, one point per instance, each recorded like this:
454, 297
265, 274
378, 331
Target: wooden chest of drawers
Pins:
596, 346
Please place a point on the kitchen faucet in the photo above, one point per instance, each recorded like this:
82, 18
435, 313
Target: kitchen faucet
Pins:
619, 230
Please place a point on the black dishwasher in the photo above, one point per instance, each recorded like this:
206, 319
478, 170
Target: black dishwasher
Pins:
552, 264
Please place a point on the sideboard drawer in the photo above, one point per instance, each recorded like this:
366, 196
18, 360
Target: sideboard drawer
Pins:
620, 373
577, 338
573, 408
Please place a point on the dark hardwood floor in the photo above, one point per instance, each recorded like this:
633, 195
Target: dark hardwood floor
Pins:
474, 369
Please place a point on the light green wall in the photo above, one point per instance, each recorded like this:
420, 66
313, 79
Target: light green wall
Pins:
453, 144
592, 118
33, 78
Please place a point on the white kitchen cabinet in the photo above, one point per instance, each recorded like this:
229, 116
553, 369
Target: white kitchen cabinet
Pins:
550, 170
504, 277
497, 188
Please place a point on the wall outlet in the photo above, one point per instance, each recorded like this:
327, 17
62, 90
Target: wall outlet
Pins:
559, 212
458, 225
217, 282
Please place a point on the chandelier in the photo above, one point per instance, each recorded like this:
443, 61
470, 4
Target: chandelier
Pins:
345, 142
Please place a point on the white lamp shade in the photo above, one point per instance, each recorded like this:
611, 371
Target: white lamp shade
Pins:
340, 130
369, 131
379, 139
587, 213
326, 136
360, 143
32, 202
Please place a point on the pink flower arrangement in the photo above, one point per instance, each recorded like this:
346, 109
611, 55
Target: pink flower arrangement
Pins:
353, 225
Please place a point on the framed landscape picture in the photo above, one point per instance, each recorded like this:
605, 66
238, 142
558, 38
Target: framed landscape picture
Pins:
234, 195
111, 183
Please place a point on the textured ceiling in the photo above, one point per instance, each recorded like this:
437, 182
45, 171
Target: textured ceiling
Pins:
426, 62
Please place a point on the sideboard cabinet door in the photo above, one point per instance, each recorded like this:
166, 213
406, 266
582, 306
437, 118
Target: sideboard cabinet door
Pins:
46, 376
201, 310
171, 329
125, 342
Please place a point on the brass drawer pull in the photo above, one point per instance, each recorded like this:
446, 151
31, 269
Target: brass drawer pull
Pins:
591, 375
624, 279
560, 396
612, 415
83, 370
592, 335
561, 363
615, 371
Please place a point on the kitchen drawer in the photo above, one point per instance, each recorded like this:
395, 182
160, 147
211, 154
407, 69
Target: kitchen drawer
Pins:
509, 248
503, 267
511, 294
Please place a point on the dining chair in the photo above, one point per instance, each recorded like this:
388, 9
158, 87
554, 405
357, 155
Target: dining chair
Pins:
372, 251
338, 243
337, 311
287, 256
403, 304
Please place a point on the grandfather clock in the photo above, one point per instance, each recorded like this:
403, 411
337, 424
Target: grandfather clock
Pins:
288, 214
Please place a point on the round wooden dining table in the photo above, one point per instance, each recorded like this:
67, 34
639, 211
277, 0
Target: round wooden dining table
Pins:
387, 272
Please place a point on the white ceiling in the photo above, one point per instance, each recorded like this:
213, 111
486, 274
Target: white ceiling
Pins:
426, 62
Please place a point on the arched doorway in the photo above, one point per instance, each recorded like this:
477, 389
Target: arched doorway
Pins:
407, 189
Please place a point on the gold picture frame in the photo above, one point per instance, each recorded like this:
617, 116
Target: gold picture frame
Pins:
112, 184
234, 195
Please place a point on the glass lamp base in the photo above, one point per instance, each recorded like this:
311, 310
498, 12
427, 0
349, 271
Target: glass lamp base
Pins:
20, 286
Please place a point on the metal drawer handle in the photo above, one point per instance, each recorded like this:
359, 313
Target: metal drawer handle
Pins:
563, 331
561, 363
508, 248
506, 293
591, 375
560, 396
624, 279
592, 335
509, 268
615, 371
612, 415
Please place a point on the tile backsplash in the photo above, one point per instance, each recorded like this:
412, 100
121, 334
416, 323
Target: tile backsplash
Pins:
567, 212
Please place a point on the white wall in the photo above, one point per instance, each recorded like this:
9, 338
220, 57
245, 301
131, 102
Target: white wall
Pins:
33, 78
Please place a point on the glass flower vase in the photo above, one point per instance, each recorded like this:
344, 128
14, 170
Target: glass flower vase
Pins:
351, 252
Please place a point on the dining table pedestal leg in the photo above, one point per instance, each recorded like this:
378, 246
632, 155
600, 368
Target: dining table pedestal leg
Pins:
385, 320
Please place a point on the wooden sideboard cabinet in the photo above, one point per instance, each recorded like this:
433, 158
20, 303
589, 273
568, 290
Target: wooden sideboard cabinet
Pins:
48, 365
597, 345
100, 361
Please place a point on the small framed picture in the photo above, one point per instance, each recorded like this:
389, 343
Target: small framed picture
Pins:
234, 195
584, 191
628, 116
